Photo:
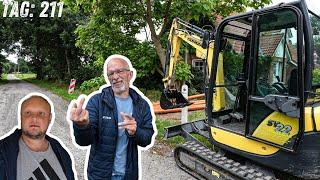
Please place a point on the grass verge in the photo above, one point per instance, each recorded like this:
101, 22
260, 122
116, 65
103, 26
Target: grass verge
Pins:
25, 76
59, 88
3, 79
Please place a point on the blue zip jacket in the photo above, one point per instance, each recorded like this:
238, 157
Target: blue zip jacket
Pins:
9, 149
102, 131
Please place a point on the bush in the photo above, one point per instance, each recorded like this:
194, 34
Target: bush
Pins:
152, 81
87, 72
183, 71
197, 82
93, 84
316, 76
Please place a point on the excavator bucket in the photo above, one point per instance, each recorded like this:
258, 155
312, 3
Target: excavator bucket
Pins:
171, 99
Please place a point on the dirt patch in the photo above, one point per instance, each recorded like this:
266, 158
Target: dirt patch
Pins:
161, 149
173, 116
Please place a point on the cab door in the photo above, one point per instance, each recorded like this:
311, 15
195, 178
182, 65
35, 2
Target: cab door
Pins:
274, 112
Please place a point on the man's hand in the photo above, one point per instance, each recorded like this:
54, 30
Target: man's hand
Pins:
78, 115
129, 123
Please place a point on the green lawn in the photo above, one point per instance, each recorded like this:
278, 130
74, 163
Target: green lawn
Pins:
25, 76
3, 79
153, 95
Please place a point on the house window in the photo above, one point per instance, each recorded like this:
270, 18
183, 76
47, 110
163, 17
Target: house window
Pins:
198, 64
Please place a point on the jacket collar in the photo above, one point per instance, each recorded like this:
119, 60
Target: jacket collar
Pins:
108, 96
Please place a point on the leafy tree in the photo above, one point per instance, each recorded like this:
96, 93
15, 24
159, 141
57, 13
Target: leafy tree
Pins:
113, 24
315, 23
23, 66
49, 43
3, 60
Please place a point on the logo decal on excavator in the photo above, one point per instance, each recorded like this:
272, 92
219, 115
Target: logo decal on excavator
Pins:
214, 173
279, 127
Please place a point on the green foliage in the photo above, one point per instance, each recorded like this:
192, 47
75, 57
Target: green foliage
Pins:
183, 71
232, 65
315, 23
4, 76
153, 95
23, 66
87, 72
3, 61
264, 63
49, 43
153, 81
3, 79
8, 67
317, 46
316, 76
93, 84
144, 59
198, 81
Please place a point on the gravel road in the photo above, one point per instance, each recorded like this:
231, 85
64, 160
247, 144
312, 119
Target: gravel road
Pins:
154, 165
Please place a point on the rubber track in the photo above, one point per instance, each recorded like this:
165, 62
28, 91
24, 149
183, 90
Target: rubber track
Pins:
215, 165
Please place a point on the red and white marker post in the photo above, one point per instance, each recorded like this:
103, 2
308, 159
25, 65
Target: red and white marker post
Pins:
72, 86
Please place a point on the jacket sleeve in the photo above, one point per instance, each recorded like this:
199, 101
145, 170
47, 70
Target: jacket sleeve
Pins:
144, 132
85, 136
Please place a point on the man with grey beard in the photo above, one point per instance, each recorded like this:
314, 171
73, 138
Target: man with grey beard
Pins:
29, 153
115, 121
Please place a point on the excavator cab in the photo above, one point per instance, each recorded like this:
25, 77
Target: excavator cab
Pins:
269, 117
197, 38
268, 81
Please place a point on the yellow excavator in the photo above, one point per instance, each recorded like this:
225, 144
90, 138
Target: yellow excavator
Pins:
202, 41
268, 123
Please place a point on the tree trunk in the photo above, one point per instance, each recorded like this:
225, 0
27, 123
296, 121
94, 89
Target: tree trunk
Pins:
68, 63
40, 75
38, 67
154, 37
160, 51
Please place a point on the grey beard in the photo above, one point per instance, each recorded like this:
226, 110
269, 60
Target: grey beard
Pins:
40, 135
119, 90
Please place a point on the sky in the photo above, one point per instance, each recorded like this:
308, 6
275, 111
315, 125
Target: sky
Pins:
11, 57
312, 5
